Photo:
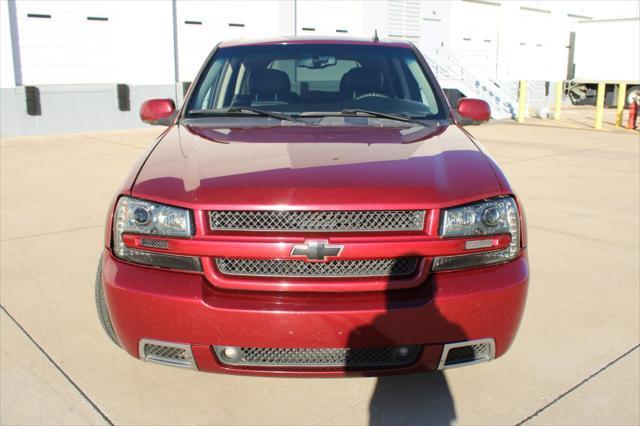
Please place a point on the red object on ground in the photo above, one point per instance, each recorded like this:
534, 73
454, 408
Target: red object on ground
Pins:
633, 115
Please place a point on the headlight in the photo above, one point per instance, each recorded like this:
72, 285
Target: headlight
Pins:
144, 217
496, 216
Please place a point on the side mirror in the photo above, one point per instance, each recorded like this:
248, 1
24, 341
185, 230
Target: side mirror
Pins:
475, 110
158, 112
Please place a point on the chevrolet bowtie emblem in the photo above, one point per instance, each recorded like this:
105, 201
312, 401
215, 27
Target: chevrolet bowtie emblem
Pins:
317, 250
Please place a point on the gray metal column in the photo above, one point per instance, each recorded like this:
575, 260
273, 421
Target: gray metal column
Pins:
15, 43
176, 69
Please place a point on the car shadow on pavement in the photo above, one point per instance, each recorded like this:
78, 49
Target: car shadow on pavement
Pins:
414, 399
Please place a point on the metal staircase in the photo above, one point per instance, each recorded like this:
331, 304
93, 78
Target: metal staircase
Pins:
502, 97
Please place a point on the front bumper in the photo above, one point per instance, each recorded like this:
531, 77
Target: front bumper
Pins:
148, 303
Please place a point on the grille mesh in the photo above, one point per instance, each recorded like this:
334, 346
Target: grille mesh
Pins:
467, 353
478, 244
150, 242
317, 221
325, 357
166, 352
401, 266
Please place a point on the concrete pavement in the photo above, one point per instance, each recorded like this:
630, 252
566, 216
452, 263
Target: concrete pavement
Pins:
575, 360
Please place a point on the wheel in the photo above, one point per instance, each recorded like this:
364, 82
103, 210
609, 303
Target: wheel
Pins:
632, 92
101, 307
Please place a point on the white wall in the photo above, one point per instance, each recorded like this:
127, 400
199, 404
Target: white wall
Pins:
374, 18
202, 25
511, 40
135, 44
608, 9
330, 18
536, 46
144, 42
474, 35
435, 34
404, 18
598, 47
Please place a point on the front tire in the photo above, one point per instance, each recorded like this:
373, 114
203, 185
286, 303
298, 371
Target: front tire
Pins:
101, 307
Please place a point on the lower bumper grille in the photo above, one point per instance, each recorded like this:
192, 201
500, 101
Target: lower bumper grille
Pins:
167, 353
378, 357
402, 266
467, 353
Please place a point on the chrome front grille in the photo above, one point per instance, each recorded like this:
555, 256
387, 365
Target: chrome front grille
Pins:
377, 357
394, 267
317, 221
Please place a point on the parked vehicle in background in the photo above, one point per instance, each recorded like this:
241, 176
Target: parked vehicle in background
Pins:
608, 51
314, 209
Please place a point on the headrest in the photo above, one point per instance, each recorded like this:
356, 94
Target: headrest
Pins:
268, 82
362, 80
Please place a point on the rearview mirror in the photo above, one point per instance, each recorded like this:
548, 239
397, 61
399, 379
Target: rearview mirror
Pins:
315, 62
475, 110
158, 112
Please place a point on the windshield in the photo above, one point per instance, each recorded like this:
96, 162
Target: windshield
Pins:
316, 79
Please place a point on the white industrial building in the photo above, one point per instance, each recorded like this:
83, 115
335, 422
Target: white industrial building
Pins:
76, 52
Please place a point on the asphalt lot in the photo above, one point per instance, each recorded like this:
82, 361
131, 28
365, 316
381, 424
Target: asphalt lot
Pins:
575, 360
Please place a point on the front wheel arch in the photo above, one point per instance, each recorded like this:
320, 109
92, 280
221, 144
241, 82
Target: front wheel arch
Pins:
101, 307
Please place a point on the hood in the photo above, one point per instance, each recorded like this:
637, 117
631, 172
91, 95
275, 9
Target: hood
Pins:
316, 167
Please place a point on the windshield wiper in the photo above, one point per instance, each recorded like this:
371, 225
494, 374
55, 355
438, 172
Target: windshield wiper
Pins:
403, 118
243, 110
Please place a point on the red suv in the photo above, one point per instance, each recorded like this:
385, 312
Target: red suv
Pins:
314, 209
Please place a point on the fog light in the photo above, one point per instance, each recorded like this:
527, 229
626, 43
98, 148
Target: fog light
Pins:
230, 352
402, 351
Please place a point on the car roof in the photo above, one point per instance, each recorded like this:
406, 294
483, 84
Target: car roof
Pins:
315, 40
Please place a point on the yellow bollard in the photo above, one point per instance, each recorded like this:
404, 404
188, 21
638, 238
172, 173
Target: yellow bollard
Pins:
599, 105
622, 91
522, 100
556, 114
